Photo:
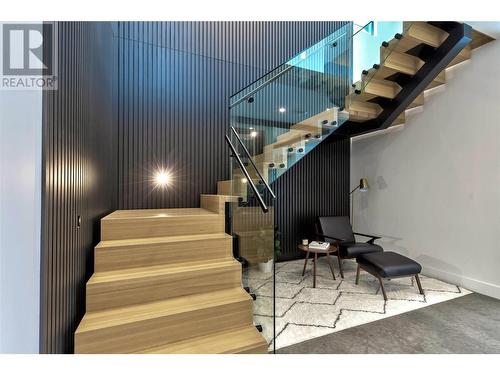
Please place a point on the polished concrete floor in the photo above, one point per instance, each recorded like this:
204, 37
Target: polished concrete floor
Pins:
469, 324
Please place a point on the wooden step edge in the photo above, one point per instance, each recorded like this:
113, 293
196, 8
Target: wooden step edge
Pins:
158, 240
402, 62
155, 214
107, 290
216, 203
102, 319
239, 340
426, 33
103, 277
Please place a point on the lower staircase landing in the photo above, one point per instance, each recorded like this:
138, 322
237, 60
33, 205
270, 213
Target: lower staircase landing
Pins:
166, 281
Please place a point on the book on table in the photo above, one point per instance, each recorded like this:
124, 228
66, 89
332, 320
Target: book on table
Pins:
319, 245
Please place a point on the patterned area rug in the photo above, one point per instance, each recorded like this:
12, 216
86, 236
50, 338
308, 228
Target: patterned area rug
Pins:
304, 312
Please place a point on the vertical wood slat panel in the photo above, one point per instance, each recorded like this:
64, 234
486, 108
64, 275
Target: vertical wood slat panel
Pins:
78, 175
318, 185
203, 64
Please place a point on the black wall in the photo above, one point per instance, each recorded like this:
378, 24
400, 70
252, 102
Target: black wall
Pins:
318, 185
174, 84
79, 176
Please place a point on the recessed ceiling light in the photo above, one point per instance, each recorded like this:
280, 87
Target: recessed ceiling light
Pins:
282, 109
253, 134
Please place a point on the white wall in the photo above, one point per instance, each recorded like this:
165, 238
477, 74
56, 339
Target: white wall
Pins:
435, 185
20, 215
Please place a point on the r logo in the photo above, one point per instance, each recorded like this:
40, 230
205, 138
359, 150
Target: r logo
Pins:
27, 49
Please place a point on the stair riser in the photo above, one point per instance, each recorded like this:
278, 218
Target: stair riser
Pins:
121, 293
152, 254
163, 330
159, 227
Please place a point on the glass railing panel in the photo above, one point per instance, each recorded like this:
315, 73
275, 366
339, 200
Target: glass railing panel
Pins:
372, 46
252, 228
285, 114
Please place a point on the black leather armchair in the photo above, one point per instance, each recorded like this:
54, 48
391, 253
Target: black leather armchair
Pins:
338, 231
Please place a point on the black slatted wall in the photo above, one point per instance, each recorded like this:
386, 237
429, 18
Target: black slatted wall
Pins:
79, 177
174, 84
318, 185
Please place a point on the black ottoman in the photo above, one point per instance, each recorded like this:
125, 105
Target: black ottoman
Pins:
388, 265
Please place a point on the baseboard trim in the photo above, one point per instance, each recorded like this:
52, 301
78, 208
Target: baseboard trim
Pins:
474, 285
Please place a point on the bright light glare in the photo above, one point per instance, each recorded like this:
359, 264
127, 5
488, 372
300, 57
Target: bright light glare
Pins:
282, 110
253, 134
162, 178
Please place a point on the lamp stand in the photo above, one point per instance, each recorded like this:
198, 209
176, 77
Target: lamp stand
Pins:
352, 205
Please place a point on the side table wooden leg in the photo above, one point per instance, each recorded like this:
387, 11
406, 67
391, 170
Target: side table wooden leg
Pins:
330, 264
314, 269
305, 264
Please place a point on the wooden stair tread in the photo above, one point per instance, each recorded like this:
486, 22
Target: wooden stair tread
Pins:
158, 213
124, 315
159, 270
158, 240
239, 340
424, 32
254, 232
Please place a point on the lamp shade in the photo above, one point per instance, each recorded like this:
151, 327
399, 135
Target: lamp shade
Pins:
363, 185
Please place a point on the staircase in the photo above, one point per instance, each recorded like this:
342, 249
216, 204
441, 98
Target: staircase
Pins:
410, 63
166, 281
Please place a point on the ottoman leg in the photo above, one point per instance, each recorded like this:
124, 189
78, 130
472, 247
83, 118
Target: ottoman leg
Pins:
382, 288
357, 274
419, 285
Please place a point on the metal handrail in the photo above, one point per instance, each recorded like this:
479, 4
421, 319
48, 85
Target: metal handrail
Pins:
251, 161
249, 179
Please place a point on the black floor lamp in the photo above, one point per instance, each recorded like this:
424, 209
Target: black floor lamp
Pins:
363, 187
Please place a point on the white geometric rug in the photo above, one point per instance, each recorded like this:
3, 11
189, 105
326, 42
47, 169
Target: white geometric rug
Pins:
304, 312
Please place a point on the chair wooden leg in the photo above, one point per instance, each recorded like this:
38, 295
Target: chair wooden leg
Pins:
357, 274
340, 266
314, 269
419, 285
382, 287
305, 264
330, 264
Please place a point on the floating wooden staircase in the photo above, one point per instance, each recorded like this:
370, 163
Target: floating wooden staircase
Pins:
400, 60
166, 281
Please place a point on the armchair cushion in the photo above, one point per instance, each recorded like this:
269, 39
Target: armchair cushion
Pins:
354, 249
